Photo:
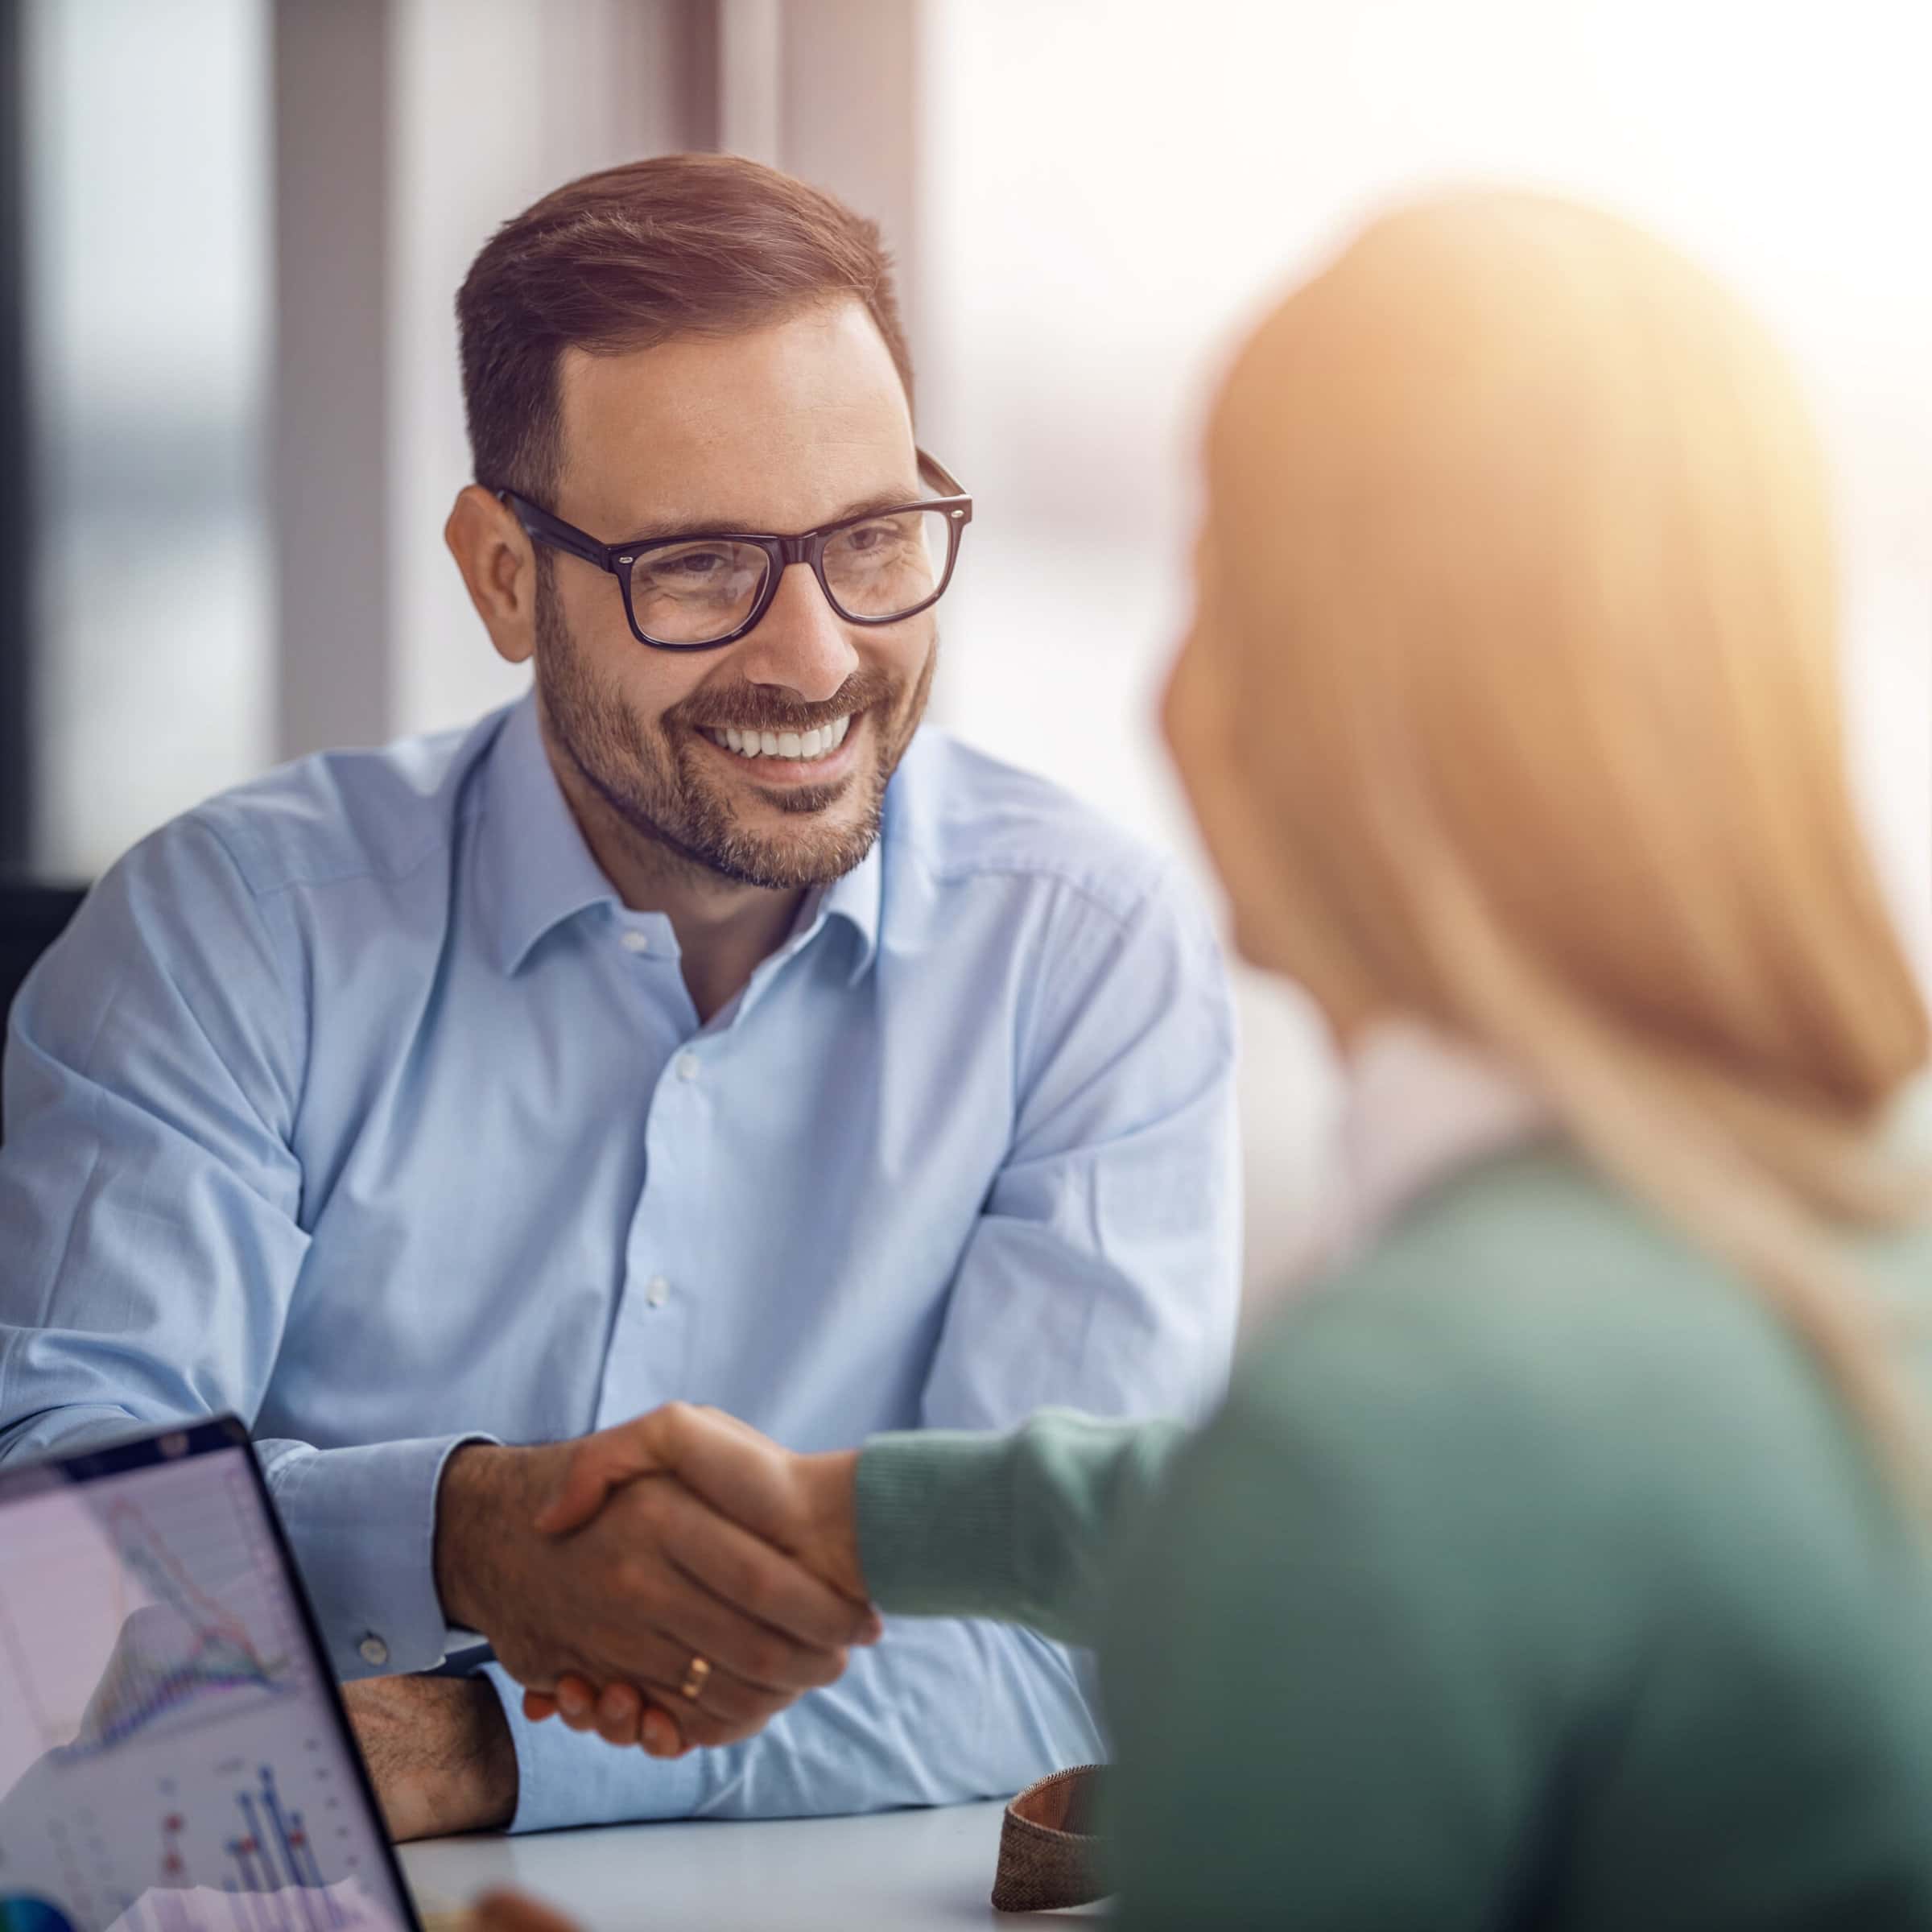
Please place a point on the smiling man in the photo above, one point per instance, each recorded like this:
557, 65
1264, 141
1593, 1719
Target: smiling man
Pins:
698, 1027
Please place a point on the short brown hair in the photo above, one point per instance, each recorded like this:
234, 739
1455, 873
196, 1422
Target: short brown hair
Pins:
680, 245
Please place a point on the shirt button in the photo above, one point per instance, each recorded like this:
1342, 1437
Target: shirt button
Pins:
373, 1650
657, 1291
635, 942
688, 1065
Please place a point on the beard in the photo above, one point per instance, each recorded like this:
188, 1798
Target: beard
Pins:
664, 791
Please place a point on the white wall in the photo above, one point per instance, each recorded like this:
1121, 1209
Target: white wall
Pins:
1110, 185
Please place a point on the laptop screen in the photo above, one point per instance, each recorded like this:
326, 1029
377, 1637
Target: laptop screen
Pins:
173, 1756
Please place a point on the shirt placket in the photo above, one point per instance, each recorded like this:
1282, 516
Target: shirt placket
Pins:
647, 1362
675, 1224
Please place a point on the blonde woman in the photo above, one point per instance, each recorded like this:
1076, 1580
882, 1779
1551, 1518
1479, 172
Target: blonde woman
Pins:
1564, 1562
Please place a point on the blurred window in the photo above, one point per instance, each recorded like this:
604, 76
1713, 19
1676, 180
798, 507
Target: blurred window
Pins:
147, 270
1105, 198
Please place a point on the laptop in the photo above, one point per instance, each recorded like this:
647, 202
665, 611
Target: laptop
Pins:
173, 1755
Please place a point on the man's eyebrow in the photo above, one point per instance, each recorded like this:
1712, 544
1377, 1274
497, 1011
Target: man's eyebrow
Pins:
862, 506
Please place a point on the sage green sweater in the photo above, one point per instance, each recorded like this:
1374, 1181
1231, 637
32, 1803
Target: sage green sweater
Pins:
1532, 1575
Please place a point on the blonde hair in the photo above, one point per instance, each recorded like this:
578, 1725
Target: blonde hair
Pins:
1521, 528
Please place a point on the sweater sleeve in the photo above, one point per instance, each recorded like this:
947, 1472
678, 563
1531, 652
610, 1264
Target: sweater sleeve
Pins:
1015, 1526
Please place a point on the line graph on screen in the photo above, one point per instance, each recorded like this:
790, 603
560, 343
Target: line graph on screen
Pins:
192, 1637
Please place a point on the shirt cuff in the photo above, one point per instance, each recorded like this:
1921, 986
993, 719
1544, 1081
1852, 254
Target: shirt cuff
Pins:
567, 1777
363, 1522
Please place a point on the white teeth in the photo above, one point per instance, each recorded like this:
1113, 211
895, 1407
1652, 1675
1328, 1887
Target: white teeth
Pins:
803, 745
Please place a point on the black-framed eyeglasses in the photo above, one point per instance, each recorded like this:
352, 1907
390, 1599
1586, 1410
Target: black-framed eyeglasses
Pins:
704, 589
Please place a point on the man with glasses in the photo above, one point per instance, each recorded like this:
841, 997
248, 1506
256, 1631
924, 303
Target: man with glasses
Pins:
691, 1029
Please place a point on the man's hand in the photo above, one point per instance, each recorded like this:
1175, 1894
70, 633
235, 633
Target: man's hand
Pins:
658, 1579
439, 1752
803, 1504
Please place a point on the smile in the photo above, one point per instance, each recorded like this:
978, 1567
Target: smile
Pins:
802, 746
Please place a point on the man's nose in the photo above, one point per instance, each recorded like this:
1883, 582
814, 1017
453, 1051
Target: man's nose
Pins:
800, 644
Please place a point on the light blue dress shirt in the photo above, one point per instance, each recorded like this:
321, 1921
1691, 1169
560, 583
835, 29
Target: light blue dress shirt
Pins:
356, 1102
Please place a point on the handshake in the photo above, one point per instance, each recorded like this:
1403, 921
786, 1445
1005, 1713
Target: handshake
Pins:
676, 1581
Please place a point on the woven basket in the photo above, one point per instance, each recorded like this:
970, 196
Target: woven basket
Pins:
1050, 1855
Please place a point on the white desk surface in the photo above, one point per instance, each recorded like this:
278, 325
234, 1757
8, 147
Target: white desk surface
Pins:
896, 1872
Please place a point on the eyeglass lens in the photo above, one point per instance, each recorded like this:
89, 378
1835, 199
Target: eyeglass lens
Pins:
693, 592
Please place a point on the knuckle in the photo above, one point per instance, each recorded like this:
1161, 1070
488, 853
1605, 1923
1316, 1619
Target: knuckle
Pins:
821, 1630
772, 1661
732, 1704
769, 1706
636, 1577
826, 1667
749, 1586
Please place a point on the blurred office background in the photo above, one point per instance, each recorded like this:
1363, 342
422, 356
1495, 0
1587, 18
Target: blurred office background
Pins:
230, 425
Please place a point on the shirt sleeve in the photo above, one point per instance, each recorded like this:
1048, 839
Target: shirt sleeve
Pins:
1103, 1276
150, 1238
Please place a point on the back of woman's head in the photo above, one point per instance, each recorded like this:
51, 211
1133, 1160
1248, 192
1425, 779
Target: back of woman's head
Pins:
1519, 546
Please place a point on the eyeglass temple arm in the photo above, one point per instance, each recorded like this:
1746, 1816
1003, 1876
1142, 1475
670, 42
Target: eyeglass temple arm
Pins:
941, 475
542, 527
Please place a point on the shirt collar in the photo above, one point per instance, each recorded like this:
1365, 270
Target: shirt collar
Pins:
855, 898
537, 871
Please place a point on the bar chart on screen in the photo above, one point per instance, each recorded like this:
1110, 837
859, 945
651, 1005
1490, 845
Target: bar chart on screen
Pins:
167, 1761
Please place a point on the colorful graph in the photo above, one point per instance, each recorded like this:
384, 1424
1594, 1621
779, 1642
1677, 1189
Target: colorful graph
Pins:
167, 1752
182, 1649
270, 1832
270, 1880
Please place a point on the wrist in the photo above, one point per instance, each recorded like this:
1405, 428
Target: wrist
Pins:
439, 1752
470, 1508
831, 1484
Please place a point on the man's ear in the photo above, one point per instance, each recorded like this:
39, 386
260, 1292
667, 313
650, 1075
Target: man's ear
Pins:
499, 568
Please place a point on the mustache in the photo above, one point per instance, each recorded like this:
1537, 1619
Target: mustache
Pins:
759, 707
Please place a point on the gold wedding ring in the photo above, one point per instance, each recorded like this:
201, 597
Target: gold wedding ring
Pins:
693, 1687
